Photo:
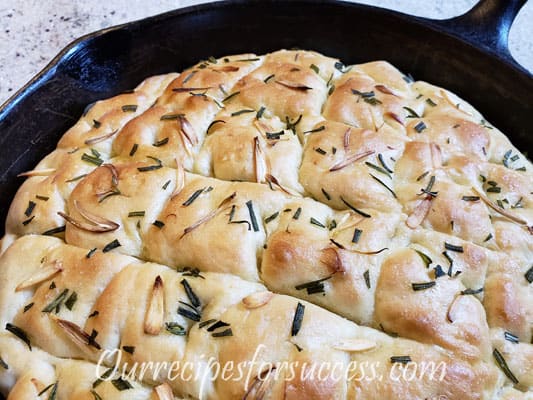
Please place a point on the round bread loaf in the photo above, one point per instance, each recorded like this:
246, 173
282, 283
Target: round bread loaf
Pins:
272, 227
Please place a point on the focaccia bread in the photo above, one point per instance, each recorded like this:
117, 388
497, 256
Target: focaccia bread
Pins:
268, 216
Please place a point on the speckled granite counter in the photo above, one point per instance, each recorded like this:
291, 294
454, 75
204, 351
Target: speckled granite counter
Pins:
34, 31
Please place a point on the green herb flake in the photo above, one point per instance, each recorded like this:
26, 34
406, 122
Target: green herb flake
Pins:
158, 224
510, 337
54, 231
69, 303
366, 275
529, 275
91, 252
469, 291
129, 349
240, 112
420, 127
319, 129
315, 68
313, 221
18, 332
252, 215
356, 235
313, 287
30, 208
175, 329
423, 285
361, 213
452, 247
272, 217
231, 96
56, 303
297, 320
384, 185
27, 307
111, 246
424, 258
411, 113
161, 142
121, 384
129, 108
326, 194
504, 367
400, 359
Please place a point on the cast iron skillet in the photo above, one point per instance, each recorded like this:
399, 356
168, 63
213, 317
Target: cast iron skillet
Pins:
467, 55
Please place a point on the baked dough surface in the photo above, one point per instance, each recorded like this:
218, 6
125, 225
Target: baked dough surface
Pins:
272, 210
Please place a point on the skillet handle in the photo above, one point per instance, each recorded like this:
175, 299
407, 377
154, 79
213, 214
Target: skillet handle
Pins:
487, 25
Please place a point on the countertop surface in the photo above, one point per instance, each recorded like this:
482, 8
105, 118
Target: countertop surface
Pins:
34, 31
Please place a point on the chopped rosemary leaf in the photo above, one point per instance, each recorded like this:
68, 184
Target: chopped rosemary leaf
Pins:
313, 287
429, 186
136, 214
363, 94
18, 332
424, 258
317, 223
320, 151
377, 168
420, 126
529, 275
189, 313
27, 307
27, 221
93, 314
422, 176
489, 236
96, 124
366, 275
129, 349
175, 329
274, 135
252, 215
193, 197
3, 364
400, 359
164, 187
298, 318
240, 112
188, 271
230, 97
56, 303
91, 252
297, 213
269, 78
439, 271
326, 194
54, 231
361, 213
471, 291
227, 332
92, 159
272, 217
110, 246
205, 323
494, 189
470, 198
292, 125
315, 68
510, 337
423, 285
43, 198
340, 67
431, 102
216, 121
504, 367
129, 108
408, 78
134, 149
69, 303
161, 142
159, 224
52, 285
193, 298
384, 185
216, 325
411, 113
319, 129
30, 208
356, 235
53, 392
121, 384
95, 395
452, 247
151, 167
103, 377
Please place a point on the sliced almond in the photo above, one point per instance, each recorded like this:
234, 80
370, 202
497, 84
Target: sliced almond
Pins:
180, 181
224, 205
346, 139
78, 336
261, 385
386, 90
38, 172
260, 161
350, 160
436, 155
155, 314
419, 213
502, 211
395, 117
187, 130
332, 259
273, 181
39, 386
355, 345
164, 392
95, 223
98, 139
41, 275
256, 300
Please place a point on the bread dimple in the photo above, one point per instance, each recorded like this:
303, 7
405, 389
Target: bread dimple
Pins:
350, 190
